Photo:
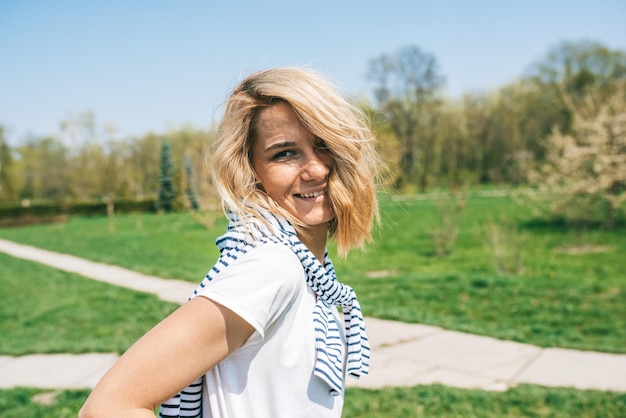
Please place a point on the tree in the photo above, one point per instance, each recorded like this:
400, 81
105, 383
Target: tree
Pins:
584, 71
387, 145
191, 196
89, 173
8, 186
453, 150
504, 145
142, 166
408, 86
167, 193
585, 168
43, 168
193, 145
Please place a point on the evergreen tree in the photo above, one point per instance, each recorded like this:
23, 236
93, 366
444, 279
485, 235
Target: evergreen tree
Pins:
166, 184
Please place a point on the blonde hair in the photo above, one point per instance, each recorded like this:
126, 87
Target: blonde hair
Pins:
327, 115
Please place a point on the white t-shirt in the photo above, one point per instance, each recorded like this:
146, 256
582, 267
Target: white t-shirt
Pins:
271, 375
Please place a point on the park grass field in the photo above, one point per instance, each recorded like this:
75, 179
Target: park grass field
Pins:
416, 402
568, 290
44, 310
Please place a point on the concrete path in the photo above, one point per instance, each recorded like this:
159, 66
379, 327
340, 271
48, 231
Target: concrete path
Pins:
402, 354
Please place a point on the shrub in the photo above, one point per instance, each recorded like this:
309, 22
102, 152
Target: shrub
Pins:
45, 212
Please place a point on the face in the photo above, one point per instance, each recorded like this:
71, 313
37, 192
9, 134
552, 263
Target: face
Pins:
292, 165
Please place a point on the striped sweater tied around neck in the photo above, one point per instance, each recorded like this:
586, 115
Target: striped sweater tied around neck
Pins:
243, 235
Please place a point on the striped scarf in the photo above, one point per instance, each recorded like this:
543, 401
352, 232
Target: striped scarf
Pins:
239, 238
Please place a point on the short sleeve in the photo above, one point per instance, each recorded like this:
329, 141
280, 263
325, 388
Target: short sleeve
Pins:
260, 286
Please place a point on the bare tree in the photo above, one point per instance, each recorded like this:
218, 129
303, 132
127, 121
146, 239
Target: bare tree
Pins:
407, 92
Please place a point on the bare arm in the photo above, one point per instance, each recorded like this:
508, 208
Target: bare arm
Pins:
182, 347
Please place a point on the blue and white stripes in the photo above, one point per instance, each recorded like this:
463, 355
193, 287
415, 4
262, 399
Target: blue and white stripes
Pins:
329, 363
187, 403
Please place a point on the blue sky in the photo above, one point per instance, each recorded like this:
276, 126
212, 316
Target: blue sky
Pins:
157, 65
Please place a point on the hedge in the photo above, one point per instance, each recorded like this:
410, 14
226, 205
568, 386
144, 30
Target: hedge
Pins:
51, 210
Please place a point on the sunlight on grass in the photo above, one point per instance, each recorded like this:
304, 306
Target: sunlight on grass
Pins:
444, 402
553, 295
416, 402
44, 310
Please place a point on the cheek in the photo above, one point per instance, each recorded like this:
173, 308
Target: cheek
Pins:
329, 161
276, 182
327, 158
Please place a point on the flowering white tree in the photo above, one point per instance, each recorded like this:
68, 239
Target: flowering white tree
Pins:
587, 165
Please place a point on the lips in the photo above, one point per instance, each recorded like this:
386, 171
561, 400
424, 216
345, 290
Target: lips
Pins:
311, 194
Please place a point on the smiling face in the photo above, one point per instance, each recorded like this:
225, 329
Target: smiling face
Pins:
292, 165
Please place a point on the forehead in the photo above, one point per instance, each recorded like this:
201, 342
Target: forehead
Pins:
278, 118
278, 127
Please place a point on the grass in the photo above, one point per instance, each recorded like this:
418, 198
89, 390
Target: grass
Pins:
37, 403
169, 246
522, 401
558, 299
44, 310
560, 296
418, 401
569, 292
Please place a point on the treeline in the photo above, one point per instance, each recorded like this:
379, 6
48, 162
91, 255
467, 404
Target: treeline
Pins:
96, 166
505, 136
485, 137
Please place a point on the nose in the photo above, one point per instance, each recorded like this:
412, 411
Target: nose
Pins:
316, 166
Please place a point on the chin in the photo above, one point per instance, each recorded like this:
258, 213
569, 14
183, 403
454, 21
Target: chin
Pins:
322, 216
325, 220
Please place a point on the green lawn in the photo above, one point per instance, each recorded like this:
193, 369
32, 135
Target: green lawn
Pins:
170, 246
420, 401
445, 402
44, 310
569, 292
37, 403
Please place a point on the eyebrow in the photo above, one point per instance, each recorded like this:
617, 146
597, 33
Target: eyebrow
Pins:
279, 145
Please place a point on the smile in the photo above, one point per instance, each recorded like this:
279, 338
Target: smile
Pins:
310, 195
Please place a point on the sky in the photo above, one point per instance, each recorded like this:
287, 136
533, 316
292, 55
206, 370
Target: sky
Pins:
153, 66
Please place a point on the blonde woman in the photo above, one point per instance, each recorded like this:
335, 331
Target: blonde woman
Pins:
294, 164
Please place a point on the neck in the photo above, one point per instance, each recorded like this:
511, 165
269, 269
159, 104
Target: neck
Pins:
315, 240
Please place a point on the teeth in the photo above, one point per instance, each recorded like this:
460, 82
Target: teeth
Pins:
315, 194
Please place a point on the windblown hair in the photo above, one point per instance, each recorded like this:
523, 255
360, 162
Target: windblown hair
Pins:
327, 115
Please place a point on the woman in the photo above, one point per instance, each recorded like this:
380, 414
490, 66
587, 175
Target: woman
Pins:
294, 164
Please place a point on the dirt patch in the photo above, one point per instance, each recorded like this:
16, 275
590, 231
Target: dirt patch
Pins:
583, 249
611, 293
45, 398
380, 274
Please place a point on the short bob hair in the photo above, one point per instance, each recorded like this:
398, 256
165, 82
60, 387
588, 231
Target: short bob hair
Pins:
327, 115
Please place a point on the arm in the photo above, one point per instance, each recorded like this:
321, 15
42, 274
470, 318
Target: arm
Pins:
182, 347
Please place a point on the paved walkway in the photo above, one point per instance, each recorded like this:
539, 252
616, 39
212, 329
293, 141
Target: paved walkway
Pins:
403, 354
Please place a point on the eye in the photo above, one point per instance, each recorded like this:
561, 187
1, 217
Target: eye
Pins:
321, 145
283, 154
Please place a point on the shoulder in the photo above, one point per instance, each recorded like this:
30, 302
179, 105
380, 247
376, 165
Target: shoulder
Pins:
271, 252
274, 258
260, 285
267, 265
